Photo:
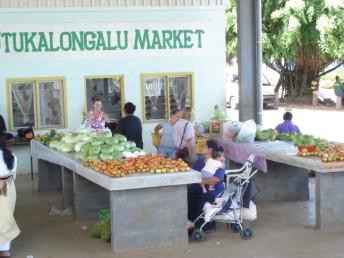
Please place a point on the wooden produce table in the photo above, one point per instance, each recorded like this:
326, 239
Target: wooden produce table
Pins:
287, 177
147, 210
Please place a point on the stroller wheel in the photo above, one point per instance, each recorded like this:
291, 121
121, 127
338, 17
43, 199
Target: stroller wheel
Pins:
235, 227
198, 235
246, 234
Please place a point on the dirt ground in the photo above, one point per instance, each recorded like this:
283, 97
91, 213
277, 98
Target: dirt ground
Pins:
305, 102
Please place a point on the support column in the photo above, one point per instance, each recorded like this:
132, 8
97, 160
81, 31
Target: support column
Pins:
250, 60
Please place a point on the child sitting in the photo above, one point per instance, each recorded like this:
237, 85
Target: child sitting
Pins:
212, 164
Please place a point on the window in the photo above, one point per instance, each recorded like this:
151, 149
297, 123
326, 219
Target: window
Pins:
109, 90
37, 102
162, 93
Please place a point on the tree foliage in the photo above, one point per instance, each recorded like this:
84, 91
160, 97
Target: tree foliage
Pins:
301, 38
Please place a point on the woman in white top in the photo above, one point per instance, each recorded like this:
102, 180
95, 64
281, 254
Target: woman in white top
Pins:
186, 128
8, 226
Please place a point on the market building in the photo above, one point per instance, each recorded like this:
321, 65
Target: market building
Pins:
56, 56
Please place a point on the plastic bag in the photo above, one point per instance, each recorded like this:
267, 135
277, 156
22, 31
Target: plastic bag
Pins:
55, 211
85, 125
247, 132
231, 131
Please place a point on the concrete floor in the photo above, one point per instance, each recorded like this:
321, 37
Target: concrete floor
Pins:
281, 230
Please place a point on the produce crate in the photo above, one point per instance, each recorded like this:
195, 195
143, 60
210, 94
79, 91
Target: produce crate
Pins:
199, 144
218, 127
155, 140
103, 214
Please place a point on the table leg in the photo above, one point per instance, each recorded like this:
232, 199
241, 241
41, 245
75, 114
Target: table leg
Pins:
88, 198
329, 204
49, 176
148, 218
31, 167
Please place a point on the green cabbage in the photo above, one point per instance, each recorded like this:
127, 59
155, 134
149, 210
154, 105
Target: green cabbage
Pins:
117, 155
126, 145
133, 149
83, 137
72, 139
132, 144
105, 156
120, 137
78, 146
106, 135
86, 147
66, 147
80, 155
92, 158
92, 134
53, 144
84, 131
94, 150
107, 148
97, 141
66, 136
111, 141
118, 148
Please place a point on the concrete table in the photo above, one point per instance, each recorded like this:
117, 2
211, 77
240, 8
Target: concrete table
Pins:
147, 210
287, 177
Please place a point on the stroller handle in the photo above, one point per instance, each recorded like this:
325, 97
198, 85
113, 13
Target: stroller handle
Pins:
254, 164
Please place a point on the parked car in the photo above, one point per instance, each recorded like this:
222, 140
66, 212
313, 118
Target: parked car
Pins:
268, 91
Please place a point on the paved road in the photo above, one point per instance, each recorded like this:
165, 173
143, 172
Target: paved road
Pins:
328, 124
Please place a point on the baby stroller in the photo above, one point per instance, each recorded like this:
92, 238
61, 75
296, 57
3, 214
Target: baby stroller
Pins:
228, 206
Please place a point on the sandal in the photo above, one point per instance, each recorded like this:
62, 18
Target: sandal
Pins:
5, 254
209, 230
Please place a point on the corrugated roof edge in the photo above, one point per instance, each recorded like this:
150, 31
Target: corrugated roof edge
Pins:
106, 3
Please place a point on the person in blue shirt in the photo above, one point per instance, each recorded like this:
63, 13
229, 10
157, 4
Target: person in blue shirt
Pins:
196, 197
287, 126
166, 144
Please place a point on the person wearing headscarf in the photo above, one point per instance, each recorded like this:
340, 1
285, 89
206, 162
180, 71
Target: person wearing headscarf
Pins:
8, 226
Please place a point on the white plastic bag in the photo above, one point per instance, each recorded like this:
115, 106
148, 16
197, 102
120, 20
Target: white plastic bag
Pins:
247, 132
85, 125
231, 130
250, 213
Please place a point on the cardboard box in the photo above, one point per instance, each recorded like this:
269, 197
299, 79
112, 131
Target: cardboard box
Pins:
217, 128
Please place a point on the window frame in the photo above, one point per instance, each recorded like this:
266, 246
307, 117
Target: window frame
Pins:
167, 77
122, 96
36, 101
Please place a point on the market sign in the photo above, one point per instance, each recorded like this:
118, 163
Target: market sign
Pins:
99, 40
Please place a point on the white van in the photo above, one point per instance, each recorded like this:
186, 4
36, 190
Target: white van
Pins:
232, 90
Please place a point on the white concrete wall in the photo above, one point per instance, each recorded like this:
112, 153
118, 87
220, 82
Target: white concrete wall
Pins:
207, 63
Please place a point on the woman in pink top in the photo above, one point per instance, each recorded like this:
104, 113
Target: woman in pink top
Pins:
96, 117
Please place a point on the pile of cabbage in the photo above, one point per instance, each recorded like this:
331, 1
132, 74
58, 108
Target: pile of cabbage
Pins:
89, 147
